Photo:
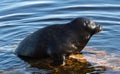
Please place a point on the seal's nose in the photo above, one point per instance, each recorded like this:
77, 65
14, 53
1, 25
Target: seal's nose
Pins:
99, 27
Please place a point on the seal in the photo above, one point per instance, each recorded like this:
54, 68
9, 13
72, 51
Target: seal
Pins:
58, 41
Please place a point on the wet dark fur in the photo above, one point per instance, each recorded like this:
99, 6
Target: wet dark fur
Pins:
57, 41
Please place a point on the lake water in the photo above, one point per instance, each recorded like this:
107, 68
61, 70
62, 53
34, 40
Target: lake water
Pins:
19, 18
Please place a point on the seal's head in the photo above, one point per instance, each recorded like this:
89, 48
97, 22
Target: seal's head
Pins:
87, 25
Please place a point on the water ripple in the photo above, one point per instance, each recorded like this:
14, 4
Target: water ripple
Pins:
15, 16
89, 7
26, 3
19, 18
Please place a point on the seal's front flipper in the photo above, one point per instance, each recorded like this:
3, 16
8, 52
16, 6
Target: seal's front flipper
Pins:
59, 60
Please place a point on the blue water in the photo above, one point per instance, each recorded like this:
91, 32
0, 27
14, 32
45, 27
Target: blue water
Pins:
19, 18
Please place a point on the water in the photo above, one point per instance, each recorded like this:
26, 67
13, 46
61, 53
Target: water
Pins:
19, 18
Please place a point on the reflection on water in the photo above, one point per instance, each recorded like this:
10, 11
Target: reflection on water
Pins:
19, 18
110, 60
75, 64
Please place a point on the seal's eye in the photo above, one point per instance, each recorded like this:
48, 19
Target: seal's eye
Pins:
92, 25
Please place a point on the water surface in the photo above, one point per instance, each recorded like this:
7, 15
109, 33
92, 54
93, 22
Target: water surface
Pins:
19, 18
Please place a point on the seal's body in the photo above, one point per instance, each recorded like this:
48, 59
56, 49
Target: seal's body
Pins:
57, 41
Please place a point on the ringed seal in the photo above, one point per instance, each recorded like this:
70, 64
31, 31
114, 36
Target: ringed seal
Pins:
58, 41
